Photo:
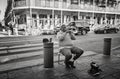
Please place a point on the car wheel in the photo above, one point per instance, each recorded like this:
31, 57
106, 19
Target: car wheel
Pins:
116, 31
105, 31
75, 31
95, 32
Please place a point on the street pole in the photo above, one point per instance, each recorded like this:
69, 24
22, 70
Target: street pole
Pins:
61, 14
78, 12
93, 10
78, 15
31, 22
13, 18
53, 13
105, 11
115, 19
116, 14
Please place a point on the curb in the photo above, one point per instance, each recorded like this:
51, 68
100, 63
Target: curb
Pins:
30, 63
115, 48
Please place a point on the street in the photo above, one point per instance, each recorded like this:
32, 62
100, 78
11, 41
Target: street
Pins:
95, 42
26, 62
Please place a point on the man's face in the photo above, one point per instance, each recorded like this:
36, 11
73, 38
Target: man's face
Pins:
63, 28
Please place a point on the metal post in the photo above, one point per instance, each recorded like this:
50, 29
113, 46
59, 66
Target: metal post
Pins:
53, 14
93, 9
61, 13
48, 55
115, 22
105, 11
107, 46
30, 12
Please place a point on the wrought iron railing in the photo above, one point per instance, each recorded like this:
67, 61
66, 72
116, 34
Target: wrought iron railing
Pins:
20, 3
65, 5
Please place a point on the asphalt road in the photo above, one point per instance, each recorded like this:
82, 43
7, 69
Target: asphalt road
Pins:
95, 42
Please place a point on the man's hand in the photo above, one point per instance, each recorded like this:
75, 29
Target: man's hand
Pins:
71, 35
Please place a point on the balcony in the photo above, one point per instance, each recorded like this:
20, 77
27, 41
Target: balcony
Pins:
20, 3
64, 5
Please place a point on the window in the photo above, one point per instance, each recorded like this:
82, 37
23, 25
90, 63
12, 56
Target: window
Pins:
34, 16
19, 3
22, 19
74, 1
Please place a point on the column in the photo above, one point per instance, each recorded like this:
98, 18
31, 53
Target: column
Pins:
68, 3
111, 21
48, 19
71, 18
28, 20
91, 20
101, 20
56, 19
28, 27
68, 18
79, 15
96, 20
84, 17
65, 18
61, 17
32, 2
60, 4
37, 18
116, 19
53, 18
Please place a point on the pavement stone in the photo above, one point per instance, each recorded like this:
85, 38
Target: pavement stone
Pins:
21, 74
110, 77
69, 76
3, 76
110, 66
116, 75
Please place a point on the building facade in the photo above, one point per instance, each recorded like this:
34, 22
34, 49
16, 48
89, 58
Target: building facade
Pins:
48, 14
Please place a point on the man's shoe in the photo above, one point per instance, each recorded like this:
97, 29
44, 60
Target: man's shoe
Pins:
67, 65
72, 64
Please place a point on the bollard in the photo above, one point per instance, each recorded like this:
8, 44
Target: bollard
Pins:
107, 46
48, 55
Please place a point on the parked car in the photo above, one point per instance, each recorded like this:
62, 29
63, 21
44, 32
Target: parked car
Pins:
56, 30
79, 27
106, 28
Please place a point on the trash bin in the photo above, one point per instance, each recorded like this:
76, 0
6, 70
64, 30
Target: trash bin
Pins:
107, 46
48, 55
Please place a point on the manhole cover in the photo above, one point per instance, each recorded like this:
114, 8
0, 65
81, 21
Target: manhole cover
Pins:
69, 76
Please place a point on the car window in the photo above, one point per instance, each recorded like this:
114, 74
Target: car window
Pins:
72, 24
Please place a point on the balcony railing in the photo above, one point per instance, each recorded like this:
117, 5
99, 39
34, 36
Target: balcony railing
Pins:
21, 3
66, 5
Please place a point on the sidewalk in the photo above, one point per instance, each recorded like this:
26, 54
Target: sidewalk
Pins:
110, 66
2, 34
